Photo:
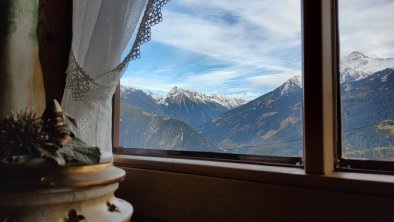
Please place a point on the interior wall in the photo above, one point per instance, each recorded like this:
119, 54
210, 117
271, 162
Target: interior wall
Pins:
169, 196
54, 33
21, 82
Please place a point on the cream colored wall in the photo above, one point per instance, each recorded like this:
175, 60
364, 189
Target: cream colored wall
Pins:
21, 82
172, 196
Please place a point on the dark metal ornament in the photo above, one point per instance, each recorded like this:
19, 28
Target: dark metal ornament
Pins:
74, 217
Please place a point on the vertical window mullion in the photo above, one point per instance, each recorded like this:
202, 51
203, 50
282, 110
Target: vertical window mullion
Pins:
318, 86
116, 117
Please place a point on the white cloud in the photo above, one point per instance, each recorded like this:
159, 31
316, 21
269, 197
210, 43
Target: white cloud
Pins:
261, 29
367, 26
257, 42
214, 77
244, 37
245, 95
272, 80
160, 86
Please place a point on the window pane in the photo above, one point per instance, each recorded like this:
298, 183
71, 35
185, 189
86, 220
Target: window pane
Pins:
218, 76
367, 78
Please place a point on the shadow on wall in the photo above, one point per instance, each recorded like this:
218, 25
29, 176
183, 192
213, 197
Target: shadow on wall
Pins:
21, 82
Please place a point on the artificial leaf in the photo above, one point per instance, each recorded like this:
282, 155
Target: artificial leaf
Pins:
78, 153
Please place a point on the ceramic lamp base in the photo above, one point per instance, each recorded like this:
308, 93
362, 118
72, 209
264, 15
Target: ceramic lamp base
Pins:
73, 199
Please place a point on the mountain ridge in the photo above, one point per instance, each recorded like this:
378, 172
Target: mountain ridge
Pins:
272, 123
176, 92
190, 107
263, 120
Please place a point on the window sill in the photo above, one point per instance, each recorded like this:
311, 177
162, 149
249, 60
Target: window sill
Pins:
360, 183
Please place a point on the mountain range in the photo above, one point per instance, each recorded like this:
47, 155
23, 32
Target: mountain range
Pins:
169, 122
268, 125
268, 119
190, 107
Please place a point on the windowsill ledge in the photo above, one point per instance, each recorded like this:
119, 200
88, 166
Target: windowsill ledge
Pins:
361, 183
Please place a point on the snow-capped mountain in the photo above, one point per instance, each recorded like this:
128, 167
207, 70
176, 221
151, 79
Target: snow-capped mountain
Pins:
270, 118
268, 125
277, 116
226, 101
356, 66
196, 108
177, 95
138, 98
158, 98
191, 107
290, 85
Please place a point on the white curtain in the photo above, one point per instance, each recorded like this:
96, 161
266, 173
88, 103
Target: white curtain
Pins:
101, 32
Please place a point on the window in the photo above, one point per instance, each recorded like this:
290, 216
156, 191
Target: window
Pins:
336, 131
218, 77
366, 81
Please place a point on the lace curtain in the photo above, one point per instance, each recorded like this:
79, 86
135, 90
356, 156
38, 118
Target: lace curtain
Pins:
101, 32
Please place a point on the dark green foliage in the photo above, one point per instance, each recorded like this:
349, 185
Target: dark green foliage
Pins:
24, 137
20, 133
376, 153
368, 101
375, 142
77, 152
367, 117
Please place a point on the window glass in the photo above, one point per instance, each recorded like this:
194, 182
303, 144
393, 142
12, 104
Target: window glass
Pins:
367, 78
218, 76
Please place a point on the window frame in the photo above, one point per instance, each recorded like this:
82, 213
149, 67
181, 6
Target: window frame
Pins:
229, 157
344, 164
321, 92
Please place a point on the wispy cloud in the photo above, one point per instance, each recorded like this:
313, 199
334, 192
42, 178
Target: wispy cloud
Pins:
218, 46
272, 80
246, 48
367, 26
160, 86
245, 95
257, 31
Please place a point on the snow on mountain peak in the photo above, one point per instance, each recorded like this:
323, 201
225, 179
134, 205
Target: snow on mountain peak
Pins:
290, 84
355, 55
227, 101
126, 90
356, 66
177, 92
173, 90
177, 95
296, 80
158, 98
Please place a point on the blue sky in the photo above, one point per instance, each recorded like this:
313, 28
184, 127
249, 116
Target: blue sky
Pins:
244, 48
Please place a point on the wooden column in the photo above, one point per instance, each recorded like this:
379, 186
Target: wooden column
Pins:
54, 34
319, 54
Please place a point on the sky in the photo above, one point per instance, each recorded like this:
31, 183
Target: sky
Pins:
245, 49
